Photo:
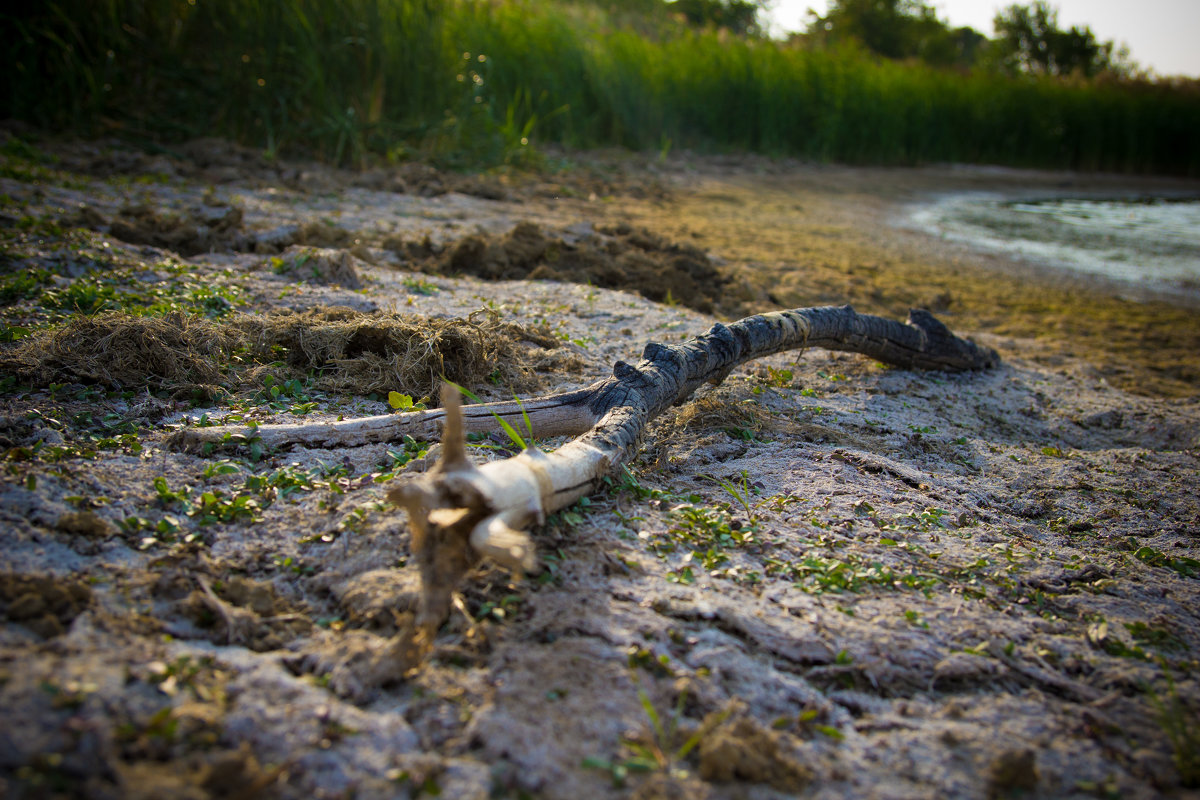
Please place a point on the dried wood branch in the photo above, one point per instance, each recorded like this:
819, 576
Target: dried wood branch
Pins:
461, 513
924, 344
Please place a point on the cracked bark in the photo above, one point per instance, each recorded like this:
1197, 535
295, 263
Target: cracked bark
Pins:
460, 512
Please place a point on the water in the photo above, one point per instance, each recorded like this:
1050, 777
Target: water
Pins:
1149, 243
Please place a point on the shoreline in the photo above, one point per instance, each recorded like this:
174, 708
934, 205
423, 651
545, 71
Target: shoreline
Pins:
945, 218
803, 234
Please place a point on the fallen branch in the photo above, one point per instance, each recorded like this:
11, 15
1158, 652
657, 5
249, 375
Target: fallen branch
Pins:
923, 344
460, 512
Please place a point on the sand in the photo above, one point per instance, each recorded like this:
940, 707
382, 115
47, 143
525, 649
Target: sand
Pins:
822, 578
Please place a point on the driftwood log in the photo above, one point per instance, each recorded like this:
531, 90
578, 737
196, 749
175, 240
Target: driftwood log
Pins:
460, 513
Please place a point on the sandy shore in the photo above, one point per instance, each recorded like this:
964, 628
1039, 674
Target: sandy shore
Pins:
804, 235
823, 578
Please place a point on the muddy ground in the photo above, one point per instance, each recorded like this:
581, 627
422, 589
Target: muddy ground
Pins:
822, 578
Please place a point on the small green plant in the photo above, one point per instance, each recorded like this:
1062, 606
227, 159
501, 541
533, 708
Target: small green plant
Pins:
221, 466
1158, 638
1187, 567
741, 491
419, 286
168, 496
398, 459
521, 443
629, 483
353, 521
683, 575
216, 506
777, 378
660, 746
1181, 723
283, 395
927, 519
23, 285
165, 531
707, 526
573, 515
292, 565
817, 574
501, 609
404, 402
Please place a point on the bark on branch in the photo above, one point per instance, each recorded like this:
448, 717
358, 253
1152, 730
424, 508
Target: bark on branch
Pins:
460, 512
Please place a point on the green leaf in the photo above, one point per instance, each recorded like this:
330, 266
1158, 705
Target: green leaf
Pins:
508, 429
651, 713
831, 732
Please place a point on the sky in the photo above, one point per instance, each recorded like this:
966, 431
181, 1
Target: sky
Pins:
1161, 34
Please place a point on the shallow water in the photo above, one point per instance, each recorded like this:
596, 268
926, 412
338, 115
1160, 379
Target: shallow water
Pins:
1150, 243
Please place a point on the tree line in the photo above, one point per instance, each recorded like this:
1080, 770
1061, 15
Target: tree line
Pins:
1028, 38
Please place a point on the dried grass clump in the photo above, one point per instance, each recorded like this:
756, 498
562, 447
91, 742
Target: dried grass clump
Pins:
710, 413
354, 352
175, 351
364, 353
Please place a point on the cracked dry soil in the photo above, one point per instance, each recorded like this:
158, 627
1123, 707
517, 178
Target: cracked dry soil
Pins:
823, 578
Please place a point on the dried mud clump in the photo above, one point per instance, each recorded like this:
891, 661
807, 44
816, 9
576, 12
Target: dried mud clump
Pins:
1014, 772
424, 180
202, 776
368, 352
323, 234
204, 229
176, 351
329, 267
619, 257
740, 749
43, 604
208, 160
243, 612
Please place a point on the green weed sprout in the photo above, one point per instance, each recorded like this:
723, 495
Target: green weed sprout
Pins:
1181, 724
516, 438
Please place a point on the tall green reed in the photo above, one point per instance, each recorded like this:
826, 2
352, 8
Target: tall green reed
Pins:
474, 82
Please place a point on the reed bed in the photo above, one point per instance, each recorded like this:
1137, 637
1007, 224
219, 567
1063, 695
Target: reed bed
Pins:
474, 84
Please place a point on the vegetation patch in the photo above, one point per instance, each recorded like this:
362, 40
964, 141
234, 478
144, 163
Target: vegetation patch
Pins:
378, 352
350, 351
483, 81
175, 351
